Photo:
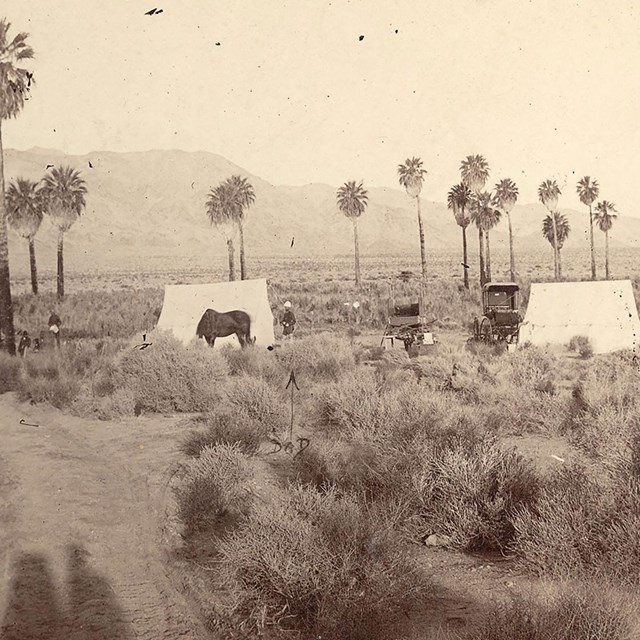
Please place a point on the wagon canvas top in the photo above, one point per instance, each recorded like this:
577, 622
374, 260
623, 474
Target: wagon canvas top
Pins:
184, 305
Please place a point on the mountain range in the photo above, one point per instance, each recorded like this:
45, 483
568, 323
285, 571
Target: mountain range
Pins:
142, 204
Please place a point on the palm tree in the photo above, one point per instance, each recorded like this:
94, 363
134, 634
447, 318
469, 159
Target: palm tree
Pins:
605, 214
506, 197
221, 210
475, 173
15, 82
588, 191
352, 201
64, 192
485, 216
411, 177
458, 199
555, 228
549, 192
24, 215
243, 196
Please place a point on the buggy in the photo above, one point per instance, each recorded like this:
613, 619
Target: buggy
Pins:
501, 319
408, 324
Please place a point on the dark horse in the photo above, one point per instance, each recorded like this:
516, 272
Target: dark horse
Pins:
214, 325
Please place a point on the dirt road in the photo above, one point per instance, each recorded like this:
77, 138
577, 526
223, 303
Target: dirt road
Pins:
82, 509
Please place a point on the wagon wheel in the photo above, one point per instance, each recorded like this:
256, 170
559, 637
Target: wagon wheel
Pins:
476, 329
486, 331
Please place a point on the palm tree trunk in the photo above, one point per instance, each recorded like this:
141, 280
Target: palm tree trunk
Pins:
356, 251
481, 256
60, 265
465, 270
243, 266
559, 265
555, 246
232, 262
32, 264
606, 255
6, 304
487, 258
593, 248
423, 256
512, 259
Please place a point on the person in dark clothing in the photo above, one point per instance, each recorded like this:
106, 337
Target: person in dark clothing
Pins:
288, 321
24, 344
54, 326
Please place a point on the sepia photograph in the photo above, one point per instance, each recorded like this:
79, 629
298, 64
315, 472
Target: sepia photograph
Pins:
319, 320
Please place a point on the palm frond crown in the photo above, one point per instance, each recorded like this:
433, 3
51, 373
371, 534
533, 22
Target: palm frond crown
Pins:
483, 211
15, 80
411, 176
588, 190
64, 190
25, 207
562, 228
549, 193
506, 194
604, 214
458, 200
475, 172
352, 199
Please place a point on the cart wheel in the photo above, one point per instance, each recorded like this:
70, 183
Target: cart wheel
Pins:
476, 329
485, 330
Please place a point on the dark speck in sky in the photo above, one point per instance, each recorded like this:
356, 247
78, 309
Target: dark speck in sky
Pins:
217, 44
361, 38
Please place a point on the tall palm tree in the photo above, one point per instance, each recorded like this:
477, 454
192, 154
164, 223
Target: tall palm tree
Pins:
24, 215
458, 199
548, 193
485, 216
490, 218
588, 191
15, 82
556, 228
243, 196
411, 177
474, 171
221, 210
506, 197
352, 201
64, 191
605, 214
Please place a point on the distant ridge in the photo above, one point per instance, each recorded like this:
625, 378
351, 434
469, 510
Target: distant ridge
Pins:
153, 203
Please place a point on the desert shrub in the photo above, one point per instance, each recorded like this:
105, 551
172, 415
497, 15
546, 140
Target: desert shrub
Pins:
50, 377
10, 369
582, 345
585, 614
470, 491
225, 428
582, 527
528, 367
168, 377
255, 361
319, 565
117, 404
215, 486
323, 356
261, 402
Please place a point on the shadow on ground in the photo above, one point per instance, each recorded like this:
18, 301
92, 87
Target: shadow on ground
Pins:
38, 609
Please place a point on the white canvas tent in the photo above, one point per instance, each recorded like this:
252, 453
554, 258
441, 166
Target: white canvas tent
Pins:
604, 311
184, 305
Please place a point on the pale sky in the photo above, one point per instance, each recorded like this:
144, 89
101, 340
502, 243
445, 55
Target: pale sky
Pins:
543, 89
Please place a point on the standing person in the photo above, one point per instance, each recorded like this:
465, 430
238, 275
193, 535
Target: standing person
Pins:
288, 321
25, 343
54, 326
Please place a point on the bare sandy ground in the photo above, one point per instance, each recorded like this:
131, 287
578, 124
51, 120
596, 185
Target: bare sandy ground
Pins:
81, 524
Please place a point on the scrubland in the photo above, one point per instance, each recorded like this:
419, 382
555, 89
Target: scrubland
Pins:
403, 453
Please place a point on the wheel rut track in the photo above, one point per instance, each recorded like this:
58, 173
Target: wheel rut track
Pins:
86, 505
